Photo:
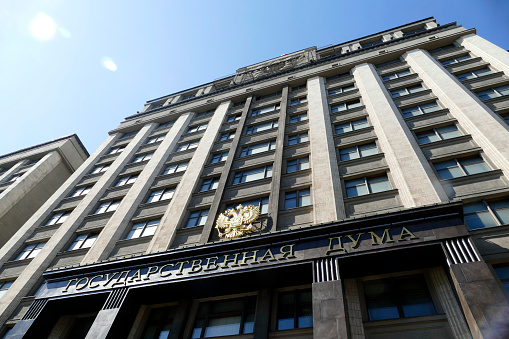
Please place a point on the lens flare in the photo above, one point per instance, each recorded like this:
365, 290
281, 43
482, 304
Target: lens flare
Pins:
43, 27
109, 64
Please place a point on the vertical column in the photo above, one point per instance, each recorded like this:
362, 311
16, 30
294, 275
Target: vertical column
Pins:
116, 225
176, 211
25, 324
214, 207
412, 174
11, 171
262, 316
327, 194
496, 56
487, 128
354, 309
275, 187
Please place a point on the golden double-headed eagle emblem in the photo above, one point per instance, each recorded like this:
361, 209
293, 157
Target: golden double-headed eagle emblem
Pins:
234, 223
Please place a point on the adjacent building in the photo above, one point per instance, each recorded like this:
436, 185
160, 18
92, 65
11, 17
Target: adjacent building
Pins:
358, 190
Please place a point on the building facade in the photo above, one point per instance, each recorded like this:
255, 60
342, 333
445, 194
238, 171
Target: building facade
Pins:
377, 174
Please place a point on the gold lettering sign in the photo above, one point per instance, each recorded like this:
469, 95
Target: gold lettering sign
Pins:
234, 223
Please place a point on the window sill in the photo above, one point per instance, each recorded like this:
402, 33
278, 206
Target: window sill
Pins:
461, 63
72, 252
132, 241
449, 142
404, 321
348, 111
374, 196
413, 95
98, 215
298, 123
119, 188
361, 160
501, 98
405, 77
296, 173
342, 94
425, 115
483, 77
473, 177
70, 199
250, 183
155, 203
169, 175
351, 133
256, 155
267, 131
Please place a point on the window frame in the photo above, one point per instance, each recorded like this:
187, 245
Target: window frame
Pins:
4, 287
107, 206
461, 165
262, 203
241, 176
358, 149
300, 164
496, 90
187, 146
345, 106
197, 128
352, 124
233, 117
367, 183
162, 194
227, 136
30, 251
270, 145
420, 109
200, 218
298, 101
100, 169
488, 210
83, 242
397, 75
298, 117
144, 226
298, 138
115, 150
177, 166
438, 133
218, 157
209, 184
407, 91
153, 140
463, 76
298, 309
255, 128
341, 90
265, 110
456, 60
142, 158
78, 192
126, 180
301, 196
62, 217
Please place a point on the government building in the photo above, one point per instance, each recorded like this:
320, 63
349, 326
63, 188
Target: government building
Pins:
358, 190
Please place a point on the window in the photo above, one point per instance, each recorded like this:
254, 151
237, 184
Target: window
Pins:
502, 271
115, 150
262, 127
298, 138
218, 157
227, 136
337, 77
253, 174
439, 133
108, 206
128, 134
202, 114
493, 92
188, 146
262, 203
352, 126
153, 140
263, 97
225, 317
344, 106
32, 162
237, 104
127, 180
455, 168
142, 157
506, 118
298, 117
143, 229
209, 184
297, 164
372, 43
165, 124
100, 169
197, 218
30, 251
197, 128
175, 168
296, 88
155, 106
294, 310
474, 74
407, 90
187, 97
81, 191
4, 286
359, 151
264, 110
83, 241
342, 90
420, 109
15, 177
232, 118
398, 297
396, 75
161, 194
456, 60
415, 31
298, 101
484, 213
159, 323
58, 218
298, 198
258, 148
363, 186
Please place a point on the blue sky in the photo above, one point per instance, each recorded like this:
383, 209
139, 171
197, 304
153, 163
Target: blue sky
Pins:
51, 88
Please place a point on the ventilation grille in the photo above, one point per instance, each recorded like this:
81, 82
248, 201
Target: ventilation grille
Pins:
326, 269
35, 309
115, 298
460, 250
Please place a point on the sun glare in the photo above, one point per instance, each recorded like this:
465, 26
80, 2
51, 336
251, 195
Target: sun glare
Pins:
43, 27
109, 64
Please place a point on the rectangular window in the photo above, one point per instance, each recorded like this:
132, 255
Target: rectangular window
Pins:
363, 186
352, 126
187, 97
128, 134
227, 136
264, 110
406, 91
81, 191
296, 88
127, 180
4, 286
108, 206
153, 140
83, 241
297, 164
197, 128
455, 168
267, 96
502, 271
188, 146
219, 157
294, 310
396, 75
372, 43
115, 150
298, 117
176, 168
342, 90
209, 184
298, 198
253, 174
262, 127
298, 138
261, 203
439, 133
15, 177
197, 218
398, 297
456, 60
58, 218
337, 77
143, 229
298, 101
415, 31
159, 195
100, 169
30, 251
202, 114
142, 158
359, 151
159, 322
165, 124
345, 106
258, 148
420, 109
225, 317
493, 92
232, 118
484, 213
474, 74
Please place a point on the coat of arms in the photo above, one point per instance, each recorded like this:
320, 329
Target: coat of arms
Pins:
233, 223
